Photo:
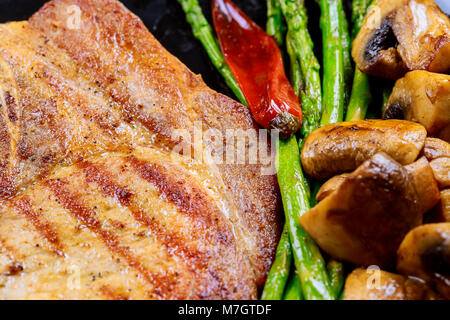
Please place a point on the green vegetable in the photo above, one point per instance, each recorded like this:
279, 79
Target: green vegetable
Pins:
338, 71
279, 273
293, 289
336, 275
333, 60
361, 95
297, 23
341, 296
296, 71
346, 48
295, 196
359, 11
203, 32
387, 90
275, 26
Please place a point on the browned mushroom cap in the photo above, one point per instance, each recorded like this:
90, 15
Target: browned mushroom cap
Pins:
422, 97
330, 186
422, 177
366, 218
441, 170
423, 33
425, 253
372, 284
425, 184
339, 148
374, 49
436, 148
444, 205
401, 35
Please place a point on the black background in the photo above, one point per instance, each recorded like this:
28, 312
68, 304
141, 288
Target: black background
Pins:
166, 20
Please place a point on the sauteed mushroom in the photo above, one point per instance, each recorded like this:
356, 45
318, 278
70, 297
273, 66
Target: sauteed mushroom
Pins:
442, 210
441, 170
374, 284
436, 148
422, 177
425, 253
339, 148
365, 219
402, 35
422, 97
331, 185
425, 184
374, 49
423, 33
438, 152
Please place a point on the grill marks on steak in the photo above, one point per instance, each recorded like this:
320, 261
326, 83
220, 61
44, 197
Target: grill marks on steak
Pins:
169, 262
174, 244
163, 283
46, 230
106, 90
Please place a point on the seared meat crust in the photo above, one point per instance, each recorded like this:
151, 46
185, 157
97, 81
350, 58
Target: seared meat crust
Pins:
101, 87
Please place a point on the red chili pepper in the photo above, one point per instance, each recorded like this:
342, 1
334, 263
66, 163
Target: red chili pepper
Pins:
255, 61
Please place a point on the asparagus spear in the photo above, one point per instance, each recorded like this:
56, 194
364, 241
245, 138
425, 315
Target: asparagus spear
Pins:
275, 26
278, 275
333, 59
296, 19
336, 275
359, 11
295, 196
293, 289
361, 96
387, 90
346, 48
203, 32
296, 71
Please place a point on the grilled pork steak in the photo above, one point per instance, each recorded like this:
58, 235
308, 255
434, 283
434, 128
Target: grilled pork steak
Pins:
92, 202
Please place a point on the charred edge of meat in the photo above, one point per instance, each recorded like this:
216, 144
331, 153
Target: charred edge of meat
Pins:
382, 39
11, 106
394, 111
